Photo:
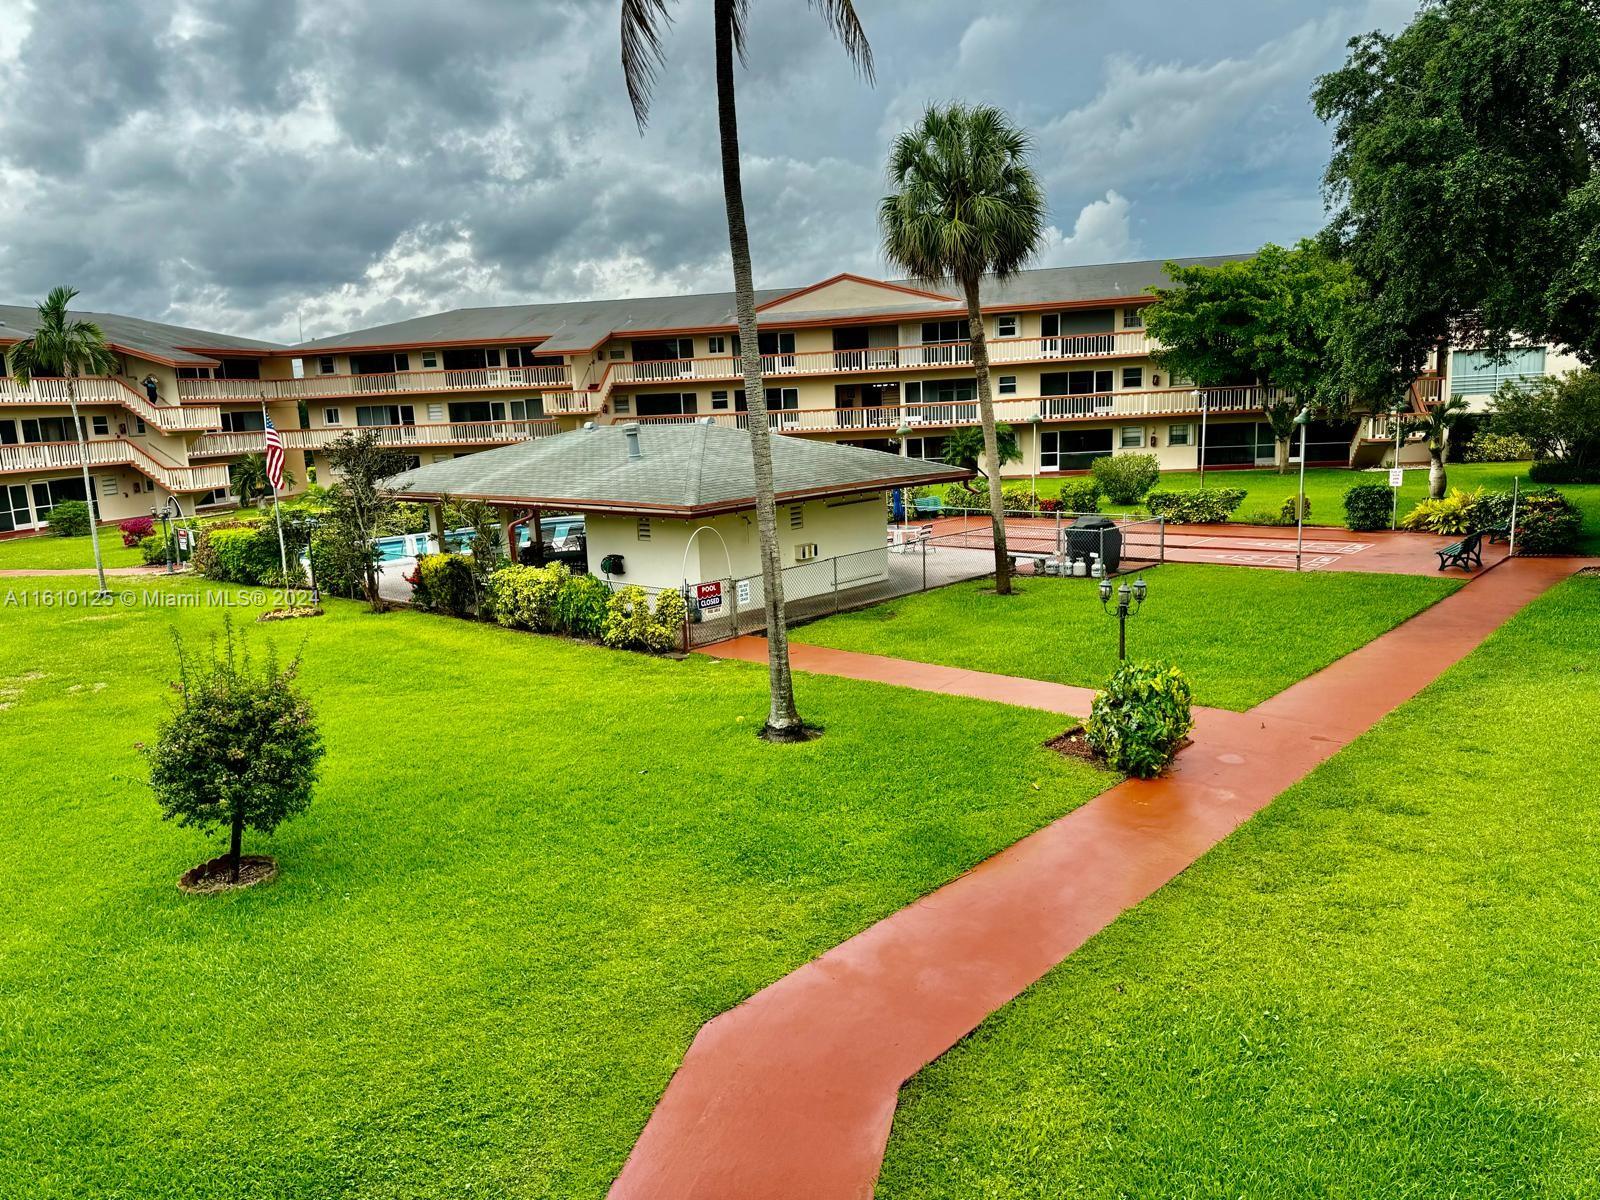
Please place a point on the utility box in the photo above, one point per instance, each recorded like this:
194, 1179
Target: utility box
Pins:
1095, 535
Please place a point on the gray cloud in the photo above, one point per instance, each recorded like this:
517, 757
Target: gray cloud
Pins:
250, 164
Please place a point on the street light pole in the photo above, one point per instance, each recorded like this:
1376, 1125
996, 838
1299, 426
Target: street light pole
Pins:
1129, 602
1394, 514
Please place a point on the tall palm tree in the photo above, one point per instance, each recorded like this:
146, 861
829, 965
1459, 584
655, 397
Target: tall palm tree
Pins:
1437, 426
644, 23
63, 346
965, 204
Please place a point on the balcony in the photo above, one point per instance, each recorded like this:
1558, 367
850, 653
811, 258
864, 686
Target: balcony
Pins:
1002, 352
330, 387
449, 433
102, 390
1172, 402
110, 452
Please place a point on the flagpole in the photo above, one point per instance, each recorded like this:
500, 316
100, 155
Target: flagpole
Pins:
283, 552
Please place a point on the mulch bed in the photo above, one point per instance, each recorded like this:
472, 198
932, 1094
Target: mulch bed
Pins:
215, 876
1074, 743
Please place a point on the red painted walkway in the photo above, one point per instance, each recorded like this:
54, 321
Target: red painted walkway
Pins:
791, 1094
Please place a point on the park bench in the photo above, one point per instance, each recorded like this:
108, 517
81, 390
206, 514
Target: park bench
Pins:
1465, 554
1037, 558
927, 506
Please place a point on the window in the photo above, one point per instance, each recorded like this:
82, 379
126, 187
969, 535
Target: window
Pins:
622, 405
1006, 326
101, 426
139, 423
1132, 437
413, 461
326, 365
770, 343
1133, 377
930, 449
719, 400
1133, 318
664, 404
1074, 383
662, 349
248, 420
1073, 449
1008, 385
385, 414
430, 360
1177, 435
330, 416
946, 331
716, 345
378, 364
777, 398
617, 352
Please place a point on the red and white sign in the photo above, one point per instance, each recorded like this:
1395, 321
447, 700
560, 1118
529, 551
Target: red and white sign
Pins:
708, 595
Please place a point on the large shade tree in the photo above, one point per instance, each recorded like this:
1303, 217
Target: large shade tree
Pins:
63, 346
1463, 185
644, 23
1270, 320
965, 204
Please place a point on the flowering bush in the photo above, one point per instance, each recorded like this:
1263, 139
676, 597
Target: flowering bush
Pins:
444, 583
1547, 523
135, 529
1140, 718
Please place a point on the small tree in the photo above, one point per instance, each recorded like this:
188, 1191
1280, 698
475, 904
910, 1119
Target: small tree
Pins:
1559, 416
964, 447
1271, 320
248, 479
1437, 426
240, 747
358, 509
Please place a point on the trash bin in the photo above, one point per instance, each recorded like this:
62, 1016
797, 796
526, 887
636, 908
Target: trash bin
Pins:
1095, 535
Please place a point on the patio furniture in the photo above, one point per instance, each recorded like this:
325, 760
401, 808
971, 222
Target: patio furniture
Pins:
927, 506
1465, 554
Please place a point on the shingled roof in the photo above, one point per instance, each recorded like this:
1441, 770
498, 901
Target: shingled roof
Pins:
159, 342
686, 470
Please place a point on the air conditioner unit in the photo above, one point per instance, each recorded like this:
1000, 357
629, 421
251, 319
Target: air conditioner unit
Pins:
805, 552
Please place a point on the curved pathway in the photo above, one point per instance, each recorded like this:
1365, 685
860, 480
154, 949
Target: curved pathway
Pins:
791, 1094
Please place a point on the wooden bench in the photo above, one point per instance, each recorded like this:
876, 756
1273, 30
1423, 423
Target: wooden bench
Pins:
1465, 554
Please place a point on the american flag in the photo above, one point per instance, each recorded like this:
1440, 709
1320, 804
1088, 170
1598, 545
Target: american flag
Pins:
274, 456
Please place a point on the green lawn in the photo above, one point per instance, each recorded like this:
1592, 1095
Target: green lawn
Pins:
1385, 985
532, 871
1240, 634
1265, 491
47, 552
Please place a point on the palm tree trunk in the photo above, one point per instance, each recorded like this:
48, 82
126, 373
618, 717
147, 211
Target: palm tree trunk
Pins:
991, 441
88, 487
1436, 475
783, 719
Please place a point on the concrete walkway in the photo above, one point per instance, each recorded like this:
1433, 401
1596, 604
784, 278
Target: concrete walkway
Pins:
791, 1094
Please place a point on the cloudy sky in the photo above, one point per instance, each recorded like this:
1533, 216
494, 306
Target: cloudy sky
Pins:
249, 165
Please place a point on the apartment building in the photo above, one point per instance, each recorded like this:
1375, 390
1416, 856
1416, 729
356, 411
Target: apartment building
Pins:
850, 359
874, 363
145, 443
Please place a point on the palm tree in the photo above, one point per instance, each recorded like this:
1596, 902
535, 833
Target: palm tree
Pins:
249, 481
1437, 427
965, 204
643, 24
63, 346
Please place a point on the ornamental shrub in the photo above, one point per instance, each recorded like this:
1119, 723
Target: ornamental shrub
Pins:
444, 583
581, 606
1457, 513
135, 529
1547, 523
70, 518
1017, 499
1368, 506
627, 624
1080, 495
1140, 718
1125, 478
240, 747
1287, 510
523, 597
1205, 507
1489, 447
666, 624
959, 495
1553, 470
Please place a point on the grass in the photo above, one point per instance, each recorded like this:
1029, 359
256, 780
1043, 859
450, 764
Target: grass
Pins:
532, 870
47, 552
1266, 491
1240, 634
1384, 985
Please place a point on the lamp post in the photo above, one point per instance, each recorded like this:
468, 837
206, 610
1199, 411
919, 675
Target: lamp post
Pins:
1394, 514
1129, 601
165, 517
1302, 419
1200, 403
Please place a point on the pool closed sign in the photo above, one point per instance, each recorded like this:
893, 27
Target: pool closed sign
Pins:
708, 595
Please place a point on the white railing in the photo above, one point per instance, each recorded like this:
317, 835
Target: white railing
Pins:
448, 433
104, 390
1103, 405
314, 387
571, 403
110, 452
1130, 342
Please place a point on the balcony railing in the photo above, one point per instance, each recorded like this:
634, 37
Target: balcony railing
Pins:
169, 418
110, 452
1095, 406
325, 387
1004, 351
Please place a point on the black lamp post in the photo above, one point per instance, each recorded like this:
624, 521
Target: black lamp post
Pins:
1129, 601
165, 517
